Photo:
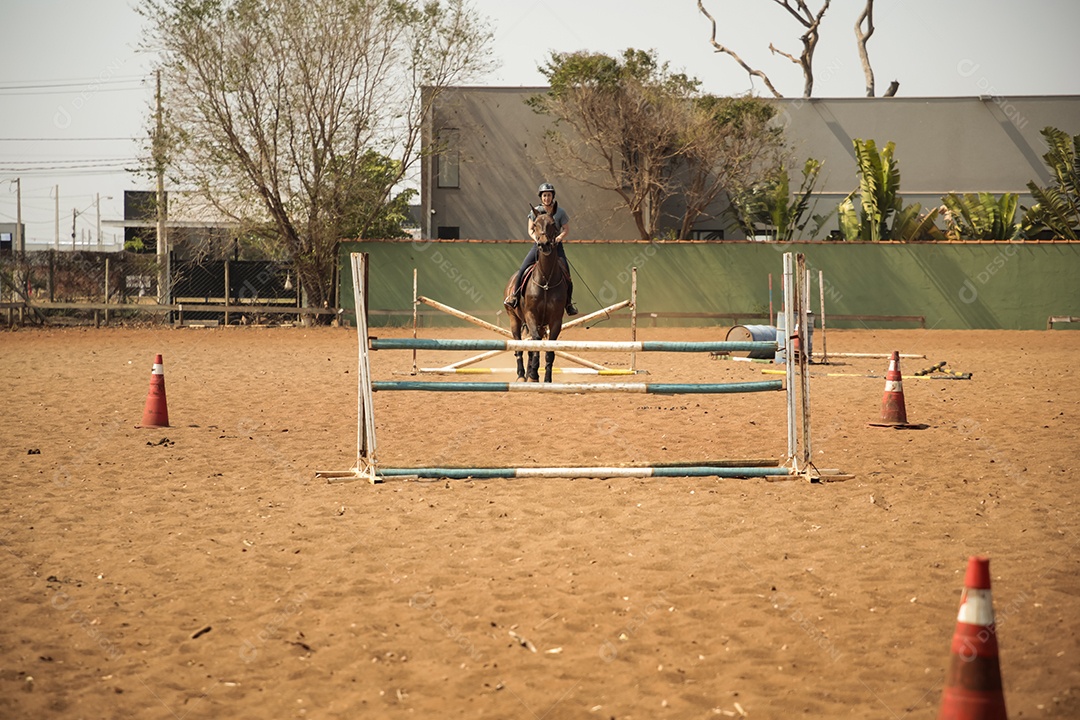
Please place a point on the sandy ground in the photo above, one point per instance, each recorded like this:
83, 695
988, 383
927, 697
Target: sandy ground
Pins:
202, 571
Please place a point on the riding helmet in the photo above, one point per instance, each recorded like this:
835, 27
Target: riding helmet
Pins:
546, 187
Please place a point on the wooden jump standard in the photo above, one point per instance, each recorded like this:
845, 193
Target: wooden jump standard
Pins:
798, 455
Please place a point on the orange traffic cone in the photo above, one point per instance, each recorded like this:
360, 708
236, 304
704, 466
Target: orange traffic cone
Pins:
973, 683
156, 412
893, 411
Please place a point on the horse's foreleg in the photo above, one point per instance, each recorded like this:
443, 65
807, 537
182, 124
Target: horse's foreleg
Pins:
520, 366
515, 332
534, 366
534, 357
549, 358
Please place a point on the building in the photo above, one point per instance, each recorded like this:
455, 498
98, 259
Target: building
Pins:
493, 157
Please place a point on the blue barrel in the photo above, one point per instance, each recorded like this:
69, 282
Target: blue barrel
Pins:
753, 333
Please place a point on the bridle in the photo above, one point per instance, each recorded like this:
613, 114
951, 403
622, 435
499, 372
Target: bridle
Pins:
545, 245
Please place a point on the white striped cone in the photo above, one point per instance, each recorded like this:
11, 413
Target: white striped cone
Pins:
973, 681
156, 411
893, 411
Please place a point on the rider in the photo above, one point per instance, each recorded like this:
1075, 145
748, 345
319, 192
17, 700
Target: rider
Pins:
562, 224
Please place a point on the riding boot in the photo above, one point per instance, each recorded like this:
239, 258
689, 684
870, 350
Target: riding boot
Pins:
571, 310
511, 300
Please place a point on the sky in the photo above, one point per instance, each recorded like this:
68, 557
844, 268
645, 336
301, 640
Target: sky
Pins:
76, 89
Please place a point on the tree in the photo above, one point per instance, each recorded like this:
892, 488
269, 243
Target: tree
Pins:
809, 19
1057, 207
298, 118
811, 22
861, 38
880, 201
631, 126
623, 116
728, 143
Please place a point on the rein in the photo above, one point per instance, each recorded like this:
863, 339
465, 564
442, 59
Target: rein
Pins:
544, 283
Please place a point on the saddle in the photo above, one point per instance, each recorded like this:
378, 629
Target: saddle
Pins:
520, 283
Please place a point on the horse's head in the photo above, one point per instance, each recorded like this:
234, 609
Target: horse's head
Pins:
544, 230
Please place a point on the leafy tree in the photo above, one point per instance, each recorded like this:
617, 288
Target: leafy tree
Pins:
1057, 208
770, 203
623, 120
726, 144
298, 118
631, 126
981, 216
880, 201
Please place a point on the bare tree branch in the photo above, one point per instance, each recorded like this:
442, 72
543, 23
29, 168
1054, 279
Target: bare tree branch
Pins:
728, 51
777, 51
861, 37
811, 21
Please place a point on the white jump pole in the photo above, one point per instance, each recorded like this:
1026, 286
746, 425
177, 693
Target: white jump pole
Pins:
804, 359
414, 318
365, 404
789, 355
633, 315
821, 307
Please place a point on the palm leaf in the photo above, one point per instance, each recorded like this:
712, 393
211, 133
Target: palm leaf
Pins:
1057, 208
850, 227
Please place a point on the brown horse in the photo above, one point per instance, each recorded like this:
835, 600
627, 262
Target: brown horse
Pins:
543, 300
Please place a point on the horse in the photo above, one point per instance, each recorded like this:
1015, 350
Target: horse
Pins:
542, 301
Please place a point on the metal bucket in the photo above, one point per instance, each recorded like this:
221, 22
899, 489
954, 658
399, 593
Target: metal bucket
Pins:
752, 333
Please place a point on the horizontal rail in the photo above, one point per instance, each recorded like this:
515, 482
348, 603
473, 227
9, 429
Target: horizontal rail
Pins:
628, 387
462, 473
449, 370
578, 345
243, 309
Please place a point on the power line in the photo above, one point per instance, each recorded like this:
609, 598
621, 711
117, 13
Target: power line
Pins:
65, 139
115, 169
92, 89
76, 161
72, 83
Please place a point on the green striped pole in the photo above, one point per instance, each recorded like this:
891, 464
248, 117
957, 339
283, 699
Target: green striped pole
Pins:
483, 473
576, 345
627, 387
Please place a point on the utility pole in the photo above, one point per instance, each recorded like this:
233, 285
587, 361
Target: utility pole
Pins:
164, 291
20, 241
56, 240
97, 200
74, 214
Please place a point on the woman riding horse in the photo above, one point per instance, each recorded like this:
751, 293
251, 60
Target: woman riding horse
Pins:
549, 207
543, 299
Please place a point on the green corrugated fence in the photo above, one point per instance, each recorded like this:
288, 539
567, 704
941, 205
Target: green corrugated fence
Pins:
950, 285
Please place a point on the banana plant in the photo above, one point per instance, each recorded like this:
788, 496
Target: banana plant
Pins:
770, 203
1057, 208
880, 201
981, 216
911, 223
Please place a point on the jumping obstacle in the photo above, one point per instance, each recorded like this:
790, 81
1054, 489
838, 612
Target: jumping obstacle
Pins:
587, 366
797, 462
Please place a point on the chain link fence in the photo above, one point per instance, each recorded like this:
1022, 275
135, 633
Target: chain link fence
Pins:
66, 288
